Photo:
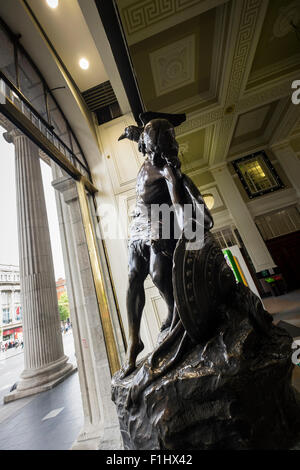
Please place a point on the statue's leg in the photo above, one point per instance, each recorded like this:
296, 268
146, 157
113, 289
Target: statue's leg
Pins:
138, 271
161, 273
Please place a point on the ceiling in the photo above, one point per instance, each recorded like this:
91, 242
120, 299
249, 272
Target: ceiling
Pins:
68, 32
228, 64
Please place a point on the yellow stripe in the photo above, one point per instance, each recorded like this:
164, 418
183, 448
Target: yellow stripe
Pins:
240, 271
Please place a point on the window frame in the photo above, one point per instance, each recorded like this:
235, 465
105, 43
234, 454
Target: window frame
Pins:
237, 163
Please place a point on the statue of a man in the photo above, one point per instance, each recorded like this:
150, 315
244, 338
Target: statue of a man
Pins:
159, 181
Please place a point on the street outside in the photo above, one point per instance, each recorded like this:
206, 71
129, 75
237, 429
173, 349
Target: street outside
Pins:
12, 363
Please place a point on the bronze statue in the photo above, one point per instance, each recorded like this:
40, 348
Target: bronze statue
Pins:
220, 377
159, 181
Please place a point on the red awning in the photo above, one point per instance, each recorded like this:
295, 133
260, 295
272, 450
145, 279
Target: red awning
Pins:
12, 331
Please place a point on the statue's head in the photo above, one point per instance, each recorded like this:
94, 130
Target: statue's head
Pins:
157, 137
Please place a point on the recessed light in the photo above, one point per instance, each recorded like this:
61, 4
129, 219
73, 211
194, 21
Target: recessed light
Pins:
84, 63
52, 3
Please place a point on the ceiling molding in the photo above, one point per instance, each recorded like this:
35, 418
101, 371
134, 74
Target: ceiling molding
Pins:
272, 119
247, 18
208, 142
244, 40
280, 67
224, 130
145, 18
173, 66
274, 201
219, 54
198, 120
287, 124
263, 95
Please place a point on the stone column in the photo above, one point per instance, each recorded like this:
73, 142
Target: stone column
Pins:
242, 218
45, 364
101, 427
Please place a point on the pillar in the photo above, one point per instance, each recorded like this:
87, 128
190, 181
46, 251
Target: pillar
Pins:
45, 364
242, 218
101, 427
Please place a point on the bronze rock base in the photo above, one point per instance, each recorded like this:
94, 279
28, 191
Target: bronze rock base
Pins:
234, 392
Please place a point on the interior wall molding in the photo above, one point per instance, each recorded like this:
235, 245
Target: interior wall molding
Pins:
144, 18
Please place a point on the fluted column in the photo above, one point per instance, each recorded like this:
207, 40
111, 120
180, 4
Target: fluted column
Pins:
44, 361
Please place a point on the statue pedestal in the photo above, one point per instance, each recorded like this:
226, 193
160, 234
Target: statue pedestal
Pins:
233, 393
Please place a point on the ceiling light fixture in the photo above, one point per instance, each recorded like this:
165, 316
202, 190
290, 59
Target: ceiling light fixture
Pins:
52, 3
209, 200
84, 63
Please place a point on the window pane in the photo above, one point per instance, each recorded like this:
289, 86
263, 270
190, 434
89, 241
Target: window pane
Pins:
7, 61
77, 151
58, 121
257, 174
31, 85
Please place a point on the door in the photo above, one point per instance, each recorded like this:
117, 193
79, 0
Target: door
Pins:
285, 251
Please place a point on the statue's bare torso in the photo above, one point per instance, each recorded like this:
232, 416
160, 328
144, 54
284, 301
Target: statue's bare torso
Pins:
151, 188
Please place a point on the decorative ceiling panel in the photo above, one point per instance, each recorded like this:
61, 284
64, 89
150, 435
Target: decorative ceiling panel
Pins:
278, 50
144, 18
173, 66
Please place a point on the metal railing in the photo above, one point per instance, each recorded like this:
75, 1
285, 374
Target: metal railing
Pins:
10, 92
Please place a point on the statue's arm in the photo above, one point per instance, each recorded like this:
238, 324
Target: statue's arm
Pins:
195, 195
173, 177
183, 191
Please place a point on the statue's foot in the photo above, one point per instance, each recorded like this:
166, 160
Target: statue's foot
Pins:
126, 369
133, 352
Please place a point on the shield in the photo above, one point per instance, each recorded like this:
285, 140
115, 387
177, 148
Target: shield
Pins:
202, 281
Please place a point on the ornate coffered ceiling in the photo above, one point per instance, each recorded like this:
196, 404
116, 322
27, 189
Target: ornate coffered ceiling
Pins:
228, 64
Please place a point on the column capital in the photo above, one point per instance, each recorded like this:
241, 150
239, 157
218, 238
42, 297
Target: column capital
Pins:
10, 136
217, 168
280, 145
67, 187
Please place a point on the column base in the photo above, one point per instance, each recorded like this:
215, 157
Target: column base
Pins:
95, 438
34, 381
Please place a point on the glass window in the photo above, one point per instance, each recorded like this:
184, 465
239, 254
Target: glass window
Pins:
257, 174
225, 238
5, 316
277, 223
77, 151
5, 297
7, 60
58, 122
31, 85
